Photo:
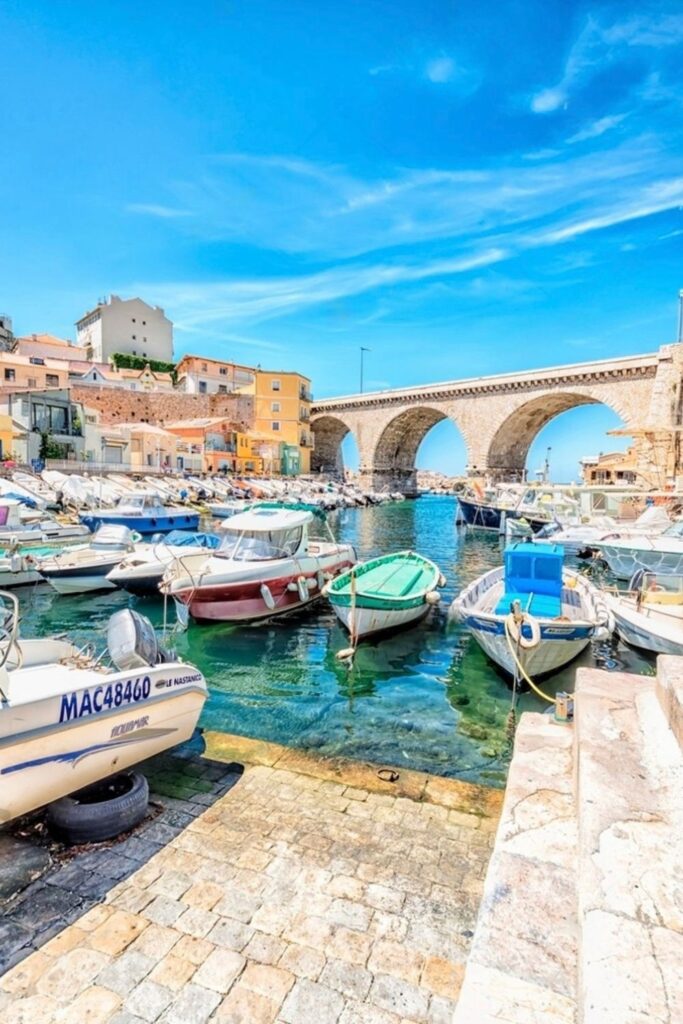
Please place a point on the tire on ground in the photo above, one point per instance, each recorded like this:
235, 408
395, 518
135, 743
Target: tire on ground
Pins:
93, 822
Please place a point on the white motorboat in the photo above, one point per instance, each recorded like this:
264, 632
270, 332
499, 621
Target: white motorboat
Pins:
142, 570
226, 509
267, 564
36, 528
534, 609
83, 569
67, 720
650, 614
662, 553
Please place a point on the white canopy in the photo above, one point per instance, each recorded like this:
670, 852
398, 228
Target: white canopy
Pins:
267, 520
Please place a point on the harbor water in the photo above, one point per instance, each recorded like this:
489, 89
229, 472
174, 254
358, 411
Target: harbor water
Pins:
426, 698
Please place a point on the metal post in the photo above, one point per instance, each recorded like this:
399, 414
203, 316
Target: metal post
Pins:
362, 351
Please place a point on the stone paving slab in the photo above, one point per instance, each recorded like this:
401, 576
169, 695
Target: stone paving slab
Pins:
296, 897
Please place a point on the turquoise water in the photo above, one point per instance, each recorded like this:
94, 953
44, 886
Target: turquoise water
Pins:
426, 698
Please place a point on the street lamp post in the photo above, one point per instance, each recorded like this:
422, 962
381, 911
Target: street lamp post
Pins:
362, 352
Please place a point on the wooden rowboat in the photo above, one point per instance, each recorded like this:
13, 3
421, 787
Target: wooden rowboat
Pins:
385, 593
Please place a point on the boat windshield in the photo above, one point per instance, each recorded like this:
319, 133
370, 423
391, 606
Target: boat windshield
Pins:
260, 545
675, 530
134, 501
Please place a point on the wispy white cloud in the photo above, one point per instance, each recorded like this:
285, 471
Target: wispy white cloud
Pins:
196, 305
325, 212
597, 128
599, 44
157, 210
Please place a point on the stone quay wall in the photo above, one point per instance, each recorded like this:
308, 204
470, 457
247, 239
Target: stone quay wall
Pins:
116, 405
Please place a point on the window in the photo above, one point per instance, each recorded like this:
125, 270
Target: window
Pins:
37, 361
202, 387
274, 406
222, 389
133, 337
260, 545
52, 380
144, 339
10, 374
133, 319
32, 382
204, 368
223, 370
275, 385
275, 425
144, 323
134, 352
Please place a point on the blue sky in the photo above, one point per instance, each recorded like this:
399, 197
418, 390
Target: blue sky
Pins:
464, 188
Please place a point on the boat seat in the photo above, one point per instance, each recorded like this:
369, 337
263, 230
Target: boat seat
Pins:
543, 606
401, 583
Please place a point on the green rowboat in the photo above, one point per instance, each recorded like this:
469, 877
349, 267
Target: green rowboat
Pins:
385, 593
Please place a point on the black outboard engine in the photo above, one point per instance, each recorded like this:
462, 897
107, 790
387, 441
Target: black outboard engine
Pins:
132, 642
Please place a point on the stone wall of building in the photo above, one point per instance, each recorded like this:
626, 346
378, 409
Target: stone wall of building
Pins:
120, 406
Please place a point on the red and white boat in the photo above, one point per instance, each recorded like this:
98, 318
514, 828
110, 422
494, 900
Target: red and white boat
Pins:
266, 565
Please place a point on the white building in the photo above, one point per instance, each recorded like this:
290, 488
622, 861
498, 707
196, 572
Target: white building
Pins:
6, 336
129, 326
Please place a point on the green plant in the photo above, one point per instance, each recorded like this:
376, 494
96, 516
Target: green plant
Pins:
123, 360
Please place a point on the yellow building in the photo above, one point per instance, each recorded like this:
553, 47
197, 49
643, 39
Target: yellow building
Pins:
282, 411
7, 429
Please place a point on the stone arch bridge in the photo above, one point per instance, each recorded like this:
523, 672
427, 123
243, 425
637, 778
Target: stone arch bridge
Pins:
498, 417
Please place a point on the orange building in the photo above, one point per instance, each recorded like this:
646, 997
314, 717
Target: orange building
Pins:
219, 444
34, 372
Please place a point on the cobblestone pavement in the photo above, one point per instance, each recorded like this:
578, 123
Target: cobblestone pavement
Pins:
294, 898
181, 788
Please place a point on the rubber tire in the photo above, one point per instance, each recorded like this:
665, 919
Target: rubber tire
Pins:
78, 823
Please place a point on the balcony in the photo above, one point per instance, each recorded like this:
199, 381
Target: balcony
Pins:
305, 395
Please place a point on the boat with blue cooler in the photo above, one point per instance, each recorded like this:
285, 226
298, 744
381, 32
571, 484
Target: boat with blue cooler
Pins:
86, 568
141, 571
533, 609
145, 513
67, 719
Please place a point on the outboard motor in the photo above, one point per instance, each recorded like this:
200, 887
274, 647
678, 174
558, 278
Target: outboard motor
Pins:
132, 642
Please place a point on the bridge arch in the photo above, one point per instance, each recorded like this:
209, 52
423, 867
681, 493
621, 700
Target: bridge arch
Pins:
509, 446
328, 433
397, 442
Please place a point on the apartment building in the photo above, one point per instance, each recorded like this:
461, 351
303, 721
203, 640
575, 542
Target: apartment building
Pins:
32, 372
218, 443
199, 375
129, 326
282, 411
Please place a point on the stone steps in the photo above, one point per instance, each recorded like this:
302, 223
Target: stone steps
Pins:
522, 965
670, 693
582, 914
629, 774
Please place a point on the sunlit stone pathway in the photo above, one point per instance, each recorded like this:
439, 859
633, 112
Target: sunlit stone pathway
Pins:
312, 891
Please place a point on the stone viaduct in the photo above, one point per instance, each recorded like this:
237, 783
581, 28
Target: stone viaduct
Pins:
499, 416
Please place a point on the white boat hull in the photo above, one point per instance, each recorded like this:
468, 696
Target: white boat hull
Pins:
53, 747
624, 562
362, 622
646, 628
549, 656
80, 584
